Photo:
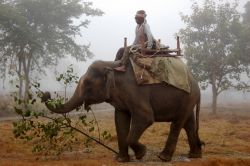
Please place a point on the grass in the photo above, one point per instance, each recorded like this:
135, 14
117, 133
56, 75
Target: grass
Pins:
5, 106
227, 138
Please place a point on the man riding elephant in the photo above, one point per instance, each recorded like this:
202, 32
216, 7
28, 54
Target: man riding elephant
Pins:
143, 36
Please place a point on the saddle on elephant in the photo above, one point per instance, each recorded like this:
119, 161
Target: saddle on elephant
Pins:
160, 65
160, 68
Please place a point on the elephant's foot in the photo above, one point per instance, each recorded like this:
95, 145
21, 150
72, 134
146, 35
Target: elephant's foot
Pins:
165, 157
122, 158
140, 152
195, 154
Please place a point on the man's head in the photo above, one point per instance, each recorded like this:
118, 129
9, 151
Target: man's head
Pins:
140, 16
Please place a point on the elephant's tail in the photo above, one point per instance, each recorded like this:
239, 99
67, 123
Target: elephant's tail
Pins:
197, 122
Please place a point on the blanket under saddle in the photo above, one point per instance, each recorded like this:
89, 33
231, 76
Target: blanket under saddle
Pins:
171, 70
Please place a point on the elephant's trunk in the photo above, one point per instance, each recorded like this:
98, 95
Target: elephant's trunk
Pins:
74, 102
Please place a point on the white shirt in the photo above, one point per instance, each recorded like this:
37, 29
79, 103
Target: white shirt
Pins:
143, 30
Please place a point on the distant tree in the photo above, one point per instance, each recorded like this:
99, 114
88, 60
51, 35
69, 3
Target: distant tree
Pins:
246, 15
35, 34
243, 46
210, 36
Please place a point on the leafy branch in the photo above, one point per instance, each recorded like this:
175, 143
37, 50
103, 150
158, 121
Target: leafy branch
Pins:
55, 134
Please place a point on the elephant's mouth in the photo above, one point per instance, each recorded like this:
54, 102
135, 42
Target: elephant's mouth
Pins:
87, 107
88, 102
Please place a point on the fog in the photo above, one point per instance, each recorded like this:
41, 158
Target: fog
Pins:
106, 33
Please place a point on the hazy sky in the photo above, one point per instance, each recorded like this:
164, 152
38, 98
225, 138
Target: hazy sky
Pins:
106, 33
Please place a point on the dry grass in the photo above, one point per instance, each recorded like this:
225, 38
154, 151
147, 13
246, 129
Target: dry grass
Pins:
227, 138
5, 105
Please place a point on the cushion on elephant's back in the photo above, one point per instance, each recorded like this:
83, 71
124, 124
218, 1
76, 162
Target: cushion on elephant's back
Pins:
171, 70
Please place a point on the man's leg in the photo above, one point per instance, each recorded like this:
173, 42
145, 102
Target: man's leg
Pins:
119, 54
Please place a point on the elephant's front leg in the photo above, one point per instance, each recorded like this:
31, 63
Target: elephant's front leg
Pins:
138, 126
122, 123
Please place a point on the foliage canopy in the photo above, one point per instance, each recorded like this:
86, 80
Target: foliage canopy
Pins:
35, 34
211, 37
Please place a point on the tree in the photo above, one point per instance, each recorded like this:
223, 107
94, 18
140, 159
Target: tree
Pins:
243, 46
35, 34
210, 36
246, 15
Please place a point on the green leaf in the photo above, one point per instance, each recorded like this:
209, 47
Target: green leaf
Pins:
27, 113
91, 129
33, 101
18, 111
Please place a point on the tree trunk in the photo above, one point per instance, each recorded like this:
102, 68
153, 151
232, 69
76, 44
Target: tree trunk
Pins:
20, 92
215, 93
215, 96
26, 90
19, 72
26, 68
65, 93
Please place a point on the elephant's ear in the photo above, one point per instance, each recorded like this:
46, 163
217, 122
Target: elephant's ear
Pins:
110, 81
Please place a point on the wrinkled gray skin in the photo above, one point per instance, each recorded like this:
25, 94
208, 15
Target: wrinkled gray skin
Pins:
137, 107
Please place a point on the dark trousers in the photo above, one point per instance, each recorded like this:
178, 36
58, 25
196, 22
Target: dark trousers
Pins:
119, 54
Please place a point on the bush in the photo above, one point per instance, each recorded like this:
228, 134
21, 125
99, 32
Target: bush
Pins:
54, 134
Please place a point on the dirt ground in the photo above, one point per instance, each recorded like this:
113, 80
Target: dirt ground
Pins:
227, 138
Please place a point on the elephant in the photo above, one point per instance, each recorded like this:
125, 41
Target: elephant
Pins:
137, 107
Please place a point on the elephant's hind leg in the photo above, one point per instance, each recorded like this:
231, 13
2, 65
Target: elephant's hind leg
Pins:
168, 151
193, 138
122, 123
